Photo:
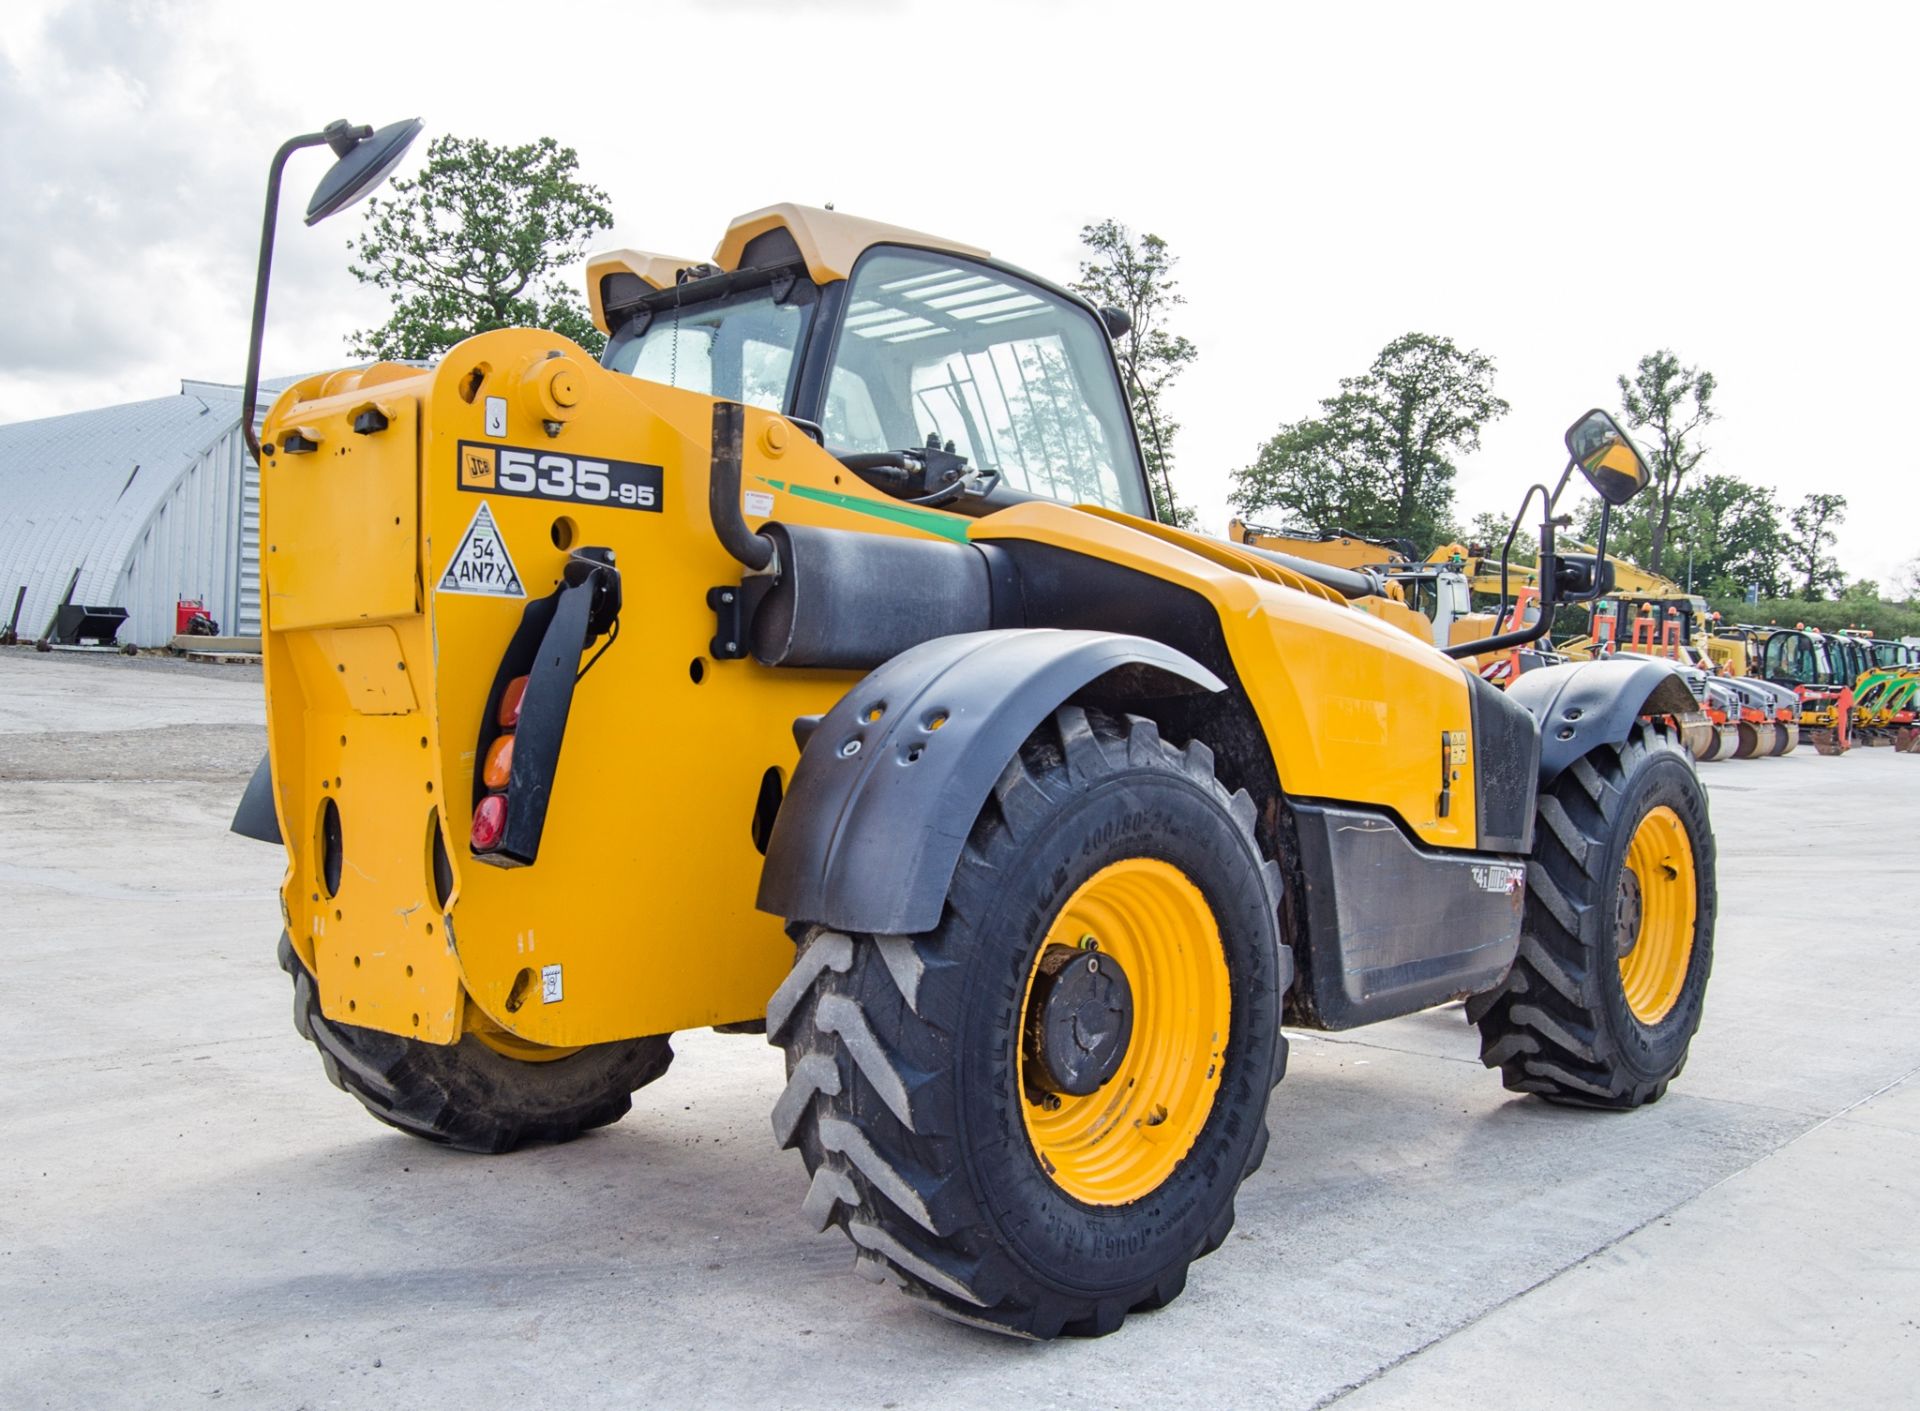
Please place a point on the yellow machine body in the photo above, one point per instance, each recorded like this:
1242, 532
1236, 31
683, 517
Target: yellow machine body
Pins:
641, 911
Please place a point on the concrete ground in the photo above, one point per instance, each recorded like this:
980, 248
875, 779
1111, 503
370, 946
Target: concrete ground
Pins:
190, 1215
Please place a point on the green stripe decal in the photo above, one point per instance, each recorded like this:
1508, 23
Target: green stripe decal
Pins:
947, 526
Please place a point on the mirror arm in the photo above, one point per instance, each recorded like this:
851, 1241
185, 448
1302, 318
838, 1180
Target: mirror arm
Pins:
1517, 638
1560, 487
1520, 636
1506, 549
251, 389
1599, 558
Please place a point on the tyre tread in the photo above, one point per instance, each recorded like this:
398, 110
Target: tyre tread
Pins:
866, 1051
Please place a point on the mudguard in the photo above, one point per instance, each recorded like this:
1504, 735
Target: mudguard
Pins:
892, 778
1583, 705
255, 817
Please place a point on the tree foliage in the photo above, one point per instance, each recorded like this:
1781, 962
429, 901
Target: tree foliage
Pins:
1878, 616
1379, 460
1135, 275
1489, 530
1673, 404
478, 240
1724, 533
1813, 525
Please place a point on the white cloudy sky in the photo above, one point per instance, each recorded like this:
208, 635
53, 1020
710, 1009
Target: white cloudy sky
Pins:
1564, 187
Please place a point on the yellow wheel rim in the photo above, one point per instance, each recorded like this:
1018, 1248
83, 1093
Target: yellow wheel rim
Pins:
1124, 1140
1659, 904
512, 1045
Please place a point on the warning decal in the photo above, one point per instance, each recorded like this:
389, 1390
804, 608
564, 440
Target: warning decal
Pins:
482, 564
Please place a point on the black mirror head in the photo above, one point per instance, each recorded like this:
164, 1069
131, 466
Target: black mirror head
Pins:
364, 161
1612, 463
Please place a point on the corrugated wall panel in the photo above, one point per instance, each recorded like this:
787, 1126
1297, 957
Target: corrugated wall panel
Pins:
152, 500
247, 619
187, 550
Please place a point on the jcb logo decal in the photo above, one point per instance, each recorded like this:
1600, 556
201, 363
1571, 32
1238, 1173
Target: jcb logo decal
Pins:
548, 475
477, 467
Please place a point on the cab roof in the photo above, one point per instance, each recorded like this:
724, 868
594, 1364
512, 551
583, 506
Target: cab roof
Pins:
829, 242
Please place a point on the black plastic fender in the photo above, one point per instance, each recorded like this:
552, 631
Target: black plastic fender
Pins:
255, 817
1582, 705
892, 778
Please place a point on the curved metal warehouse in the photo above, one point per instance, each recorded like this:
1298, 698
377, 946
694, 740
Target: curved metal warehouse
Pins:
151, 502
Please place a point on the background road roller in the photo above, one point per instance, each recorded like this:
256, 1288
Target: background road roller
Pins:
815, 662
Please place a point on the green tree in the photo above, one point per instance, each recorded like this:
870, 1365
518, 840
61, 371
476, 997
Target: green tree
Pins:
1813, 526
1135, 275
479, 240
1673, 403
1724, 532
1303, 472
1882, 618
1422, 402
1379, 460
1489, 529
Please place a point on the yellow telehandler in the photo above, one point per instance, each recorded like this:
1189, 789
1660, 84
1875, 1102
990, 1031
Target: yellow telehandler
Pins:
814, 660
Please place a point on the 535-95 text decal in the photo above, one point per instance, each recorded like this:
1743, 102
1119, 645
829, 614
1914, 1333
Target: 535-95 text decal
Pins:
549, 475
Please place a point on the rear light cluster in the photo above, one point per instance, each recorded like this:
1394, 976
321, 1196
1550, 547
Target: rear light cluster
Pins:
490, 816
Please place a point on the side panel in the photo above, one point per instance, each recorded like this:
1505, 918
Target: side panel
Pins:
1506, 751
1396, 928
1353, 709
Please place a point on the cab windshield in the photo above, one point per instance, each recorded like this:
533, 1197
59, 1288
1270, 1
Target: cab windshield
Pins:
937, 349
1795, 657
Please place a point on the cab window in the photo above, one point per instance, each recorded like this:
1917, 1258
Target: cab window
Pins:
1019, 379
740, 345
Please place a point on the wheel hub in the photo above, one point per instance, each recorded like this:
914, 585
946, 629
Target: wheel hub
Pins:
1079, 1020
1627, 915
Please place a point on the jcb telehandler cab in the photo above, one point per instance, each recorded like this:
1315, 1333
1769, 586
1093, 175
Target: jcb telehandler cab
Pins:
816, 661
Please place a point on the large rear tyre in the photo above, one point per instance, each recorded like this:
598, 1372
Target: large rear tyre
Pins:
1037, 1115
1617, 942
472, 1095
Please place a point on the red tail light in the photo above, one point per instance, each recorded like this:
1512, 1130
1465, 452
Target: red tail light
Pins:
489, 822
510, 702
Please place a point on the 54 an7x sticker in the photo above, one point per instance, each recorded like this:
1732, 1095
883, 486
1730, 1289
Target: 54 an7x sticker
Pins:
549, 475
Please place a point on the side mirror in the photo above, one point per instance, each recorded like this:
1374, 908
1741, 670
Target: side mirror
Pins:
1119, 323
1611, 463
363, 159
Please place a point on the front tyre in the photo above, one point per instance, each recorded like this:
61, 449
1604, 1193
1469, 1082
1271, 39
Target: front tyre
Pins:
487, 1093
1617, 942
1037, 1115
